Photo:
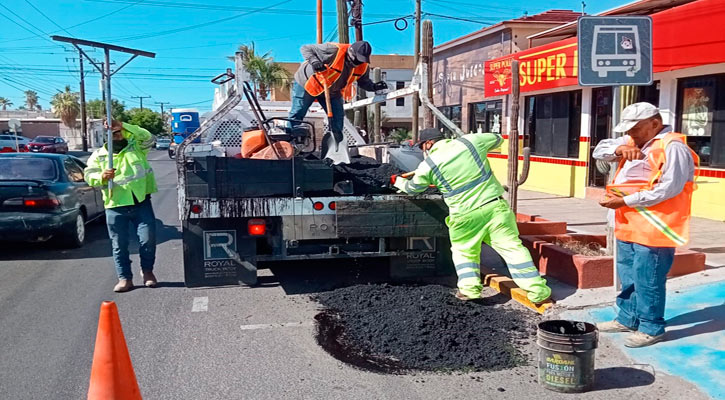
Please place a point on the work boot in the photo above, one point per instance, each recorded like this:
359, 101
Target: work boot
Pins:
613, 326
149, 279
123, 285
463, 297
641, 339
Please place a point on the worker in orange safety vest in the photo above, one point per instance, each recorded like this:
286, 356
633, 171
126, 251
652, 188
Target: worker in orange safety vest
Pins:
651, 197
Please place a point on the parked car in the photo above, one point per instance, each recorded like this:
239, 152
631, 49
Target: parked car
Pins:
48, 144
163, 143
44, 196
7, 143
172, 149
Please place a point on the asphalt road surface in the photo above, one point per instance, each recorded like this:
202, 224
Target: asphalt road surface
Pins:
221, 343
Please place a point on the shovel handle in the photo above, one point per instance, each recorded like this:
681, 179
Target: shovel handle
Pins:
327, 101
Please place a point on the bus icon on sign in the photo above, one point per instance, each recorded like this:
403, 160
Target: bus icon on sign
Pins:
616, 48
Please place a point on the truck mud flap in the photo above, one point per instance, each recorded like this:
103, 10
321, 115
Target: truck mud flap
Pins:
423, 257
216, 253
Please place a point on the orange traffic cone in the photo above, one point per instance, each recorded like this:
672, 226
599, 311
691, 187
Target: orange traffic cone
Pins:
112, 376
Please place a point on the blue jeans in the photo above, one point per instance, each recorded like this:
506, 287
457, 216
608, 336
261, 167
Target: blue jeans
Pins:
301, 102
643, 273
140, 216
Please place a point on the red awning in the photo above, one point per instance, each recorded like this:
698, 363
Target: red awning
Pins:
689, 35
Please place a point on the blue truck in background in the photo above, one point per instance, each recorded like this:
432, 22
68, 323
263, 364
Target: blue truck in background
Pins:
184, 121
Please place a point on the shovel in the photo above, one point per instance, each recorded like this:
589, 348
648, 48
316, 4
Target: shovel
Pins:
333, 148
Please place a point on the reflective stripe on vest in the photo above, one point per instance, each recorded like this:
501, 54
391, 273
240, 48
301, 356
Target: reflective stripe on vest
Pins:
449, 191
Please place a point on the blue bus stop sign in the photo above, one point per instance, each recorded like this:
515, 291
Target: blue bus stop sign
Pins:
615, 51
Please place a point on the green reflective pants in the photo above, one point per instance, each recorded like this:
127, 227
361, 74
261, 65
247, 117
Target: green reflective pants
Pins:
494, 224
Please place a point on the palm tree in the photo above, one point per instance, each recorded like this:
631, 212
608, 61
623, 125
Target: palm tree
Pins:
263, 71
66, 106
5, 103
31, 99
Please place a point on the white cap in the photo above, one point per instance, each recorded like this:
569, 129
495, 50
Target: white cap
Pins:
634, 113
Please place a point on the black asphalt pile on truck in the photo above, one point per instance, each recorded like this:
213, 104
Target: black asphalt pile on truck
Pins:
367, 175
395, 329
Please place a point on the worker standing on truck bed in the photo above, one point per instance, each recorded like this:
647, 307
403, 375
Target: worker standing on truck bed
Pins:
477, 211
338, 66
129, 200
651, 197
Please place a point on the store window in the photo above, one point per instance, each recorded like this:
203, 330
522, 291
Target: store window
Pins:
485, 116
400, 101
701, 116
453, 113
553, 124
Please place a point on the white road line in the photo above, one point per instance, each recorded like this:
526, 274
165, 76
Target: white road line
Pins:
280, 325
200, 304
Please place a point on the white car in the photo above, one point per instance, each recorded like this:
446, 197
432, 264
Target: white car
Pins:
162, 143
9, 141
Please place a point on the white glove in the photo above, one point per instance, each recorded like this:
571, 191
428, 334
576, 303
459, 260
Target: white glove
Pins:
400, 184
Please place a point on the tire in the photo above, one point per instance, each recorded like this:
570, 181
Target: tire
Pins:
75, 234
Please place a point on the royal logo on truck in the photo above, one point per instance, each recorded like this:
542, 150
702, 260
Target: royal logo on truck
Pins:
220, 245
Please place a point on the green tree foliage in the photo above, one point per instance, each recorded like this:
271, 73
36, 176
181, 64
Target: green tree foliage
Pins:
66, 106
399, 135
97, 109
31, 99
5, 103
264, 72
147, 119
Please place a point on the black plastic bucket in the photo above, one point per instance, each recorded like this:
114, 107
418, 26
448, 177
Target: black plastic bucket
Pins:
566, 355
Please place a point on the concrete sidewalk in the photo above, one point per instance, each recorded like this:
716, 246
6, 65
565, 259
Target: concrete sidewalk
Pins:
586, 216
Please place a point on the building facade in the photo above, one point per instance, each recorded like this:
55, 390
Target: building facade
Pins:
562, 122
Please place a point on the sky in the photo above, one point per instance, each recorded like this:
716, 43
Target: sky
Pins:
191, 39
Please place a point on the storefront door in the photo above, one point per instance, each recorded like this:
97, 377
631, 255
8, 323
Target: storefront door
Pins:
601, 126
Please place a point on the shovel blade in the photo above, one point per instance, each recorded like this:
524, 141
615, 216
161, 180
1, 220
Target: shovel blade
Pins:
336, 152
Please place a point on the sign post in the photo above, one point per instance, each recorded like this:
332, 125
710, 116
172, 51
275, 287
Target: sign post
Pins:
615, 51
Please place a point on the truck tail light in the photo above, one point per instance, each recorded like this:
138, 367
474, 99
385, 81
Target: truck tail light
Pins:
44, 202
257, 227
332, 205
318, 206
196, 209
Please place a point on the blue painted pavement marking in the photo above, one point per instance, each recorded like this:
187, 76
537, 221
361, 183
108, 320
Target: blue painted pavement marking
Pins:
694, 346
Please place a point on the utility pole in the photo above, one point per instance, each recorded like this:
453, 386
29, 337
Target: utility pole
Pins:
416, 59
361, 116
343, 30
82, 84
140, 98
161, 103
377, 112
426, 56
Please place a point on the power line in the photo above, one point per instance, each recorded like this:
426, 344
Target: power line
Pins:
48, 18
81, 23
187, 28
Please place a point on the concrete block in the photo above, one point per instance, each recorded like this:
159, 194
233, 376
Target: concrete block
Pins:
535, 225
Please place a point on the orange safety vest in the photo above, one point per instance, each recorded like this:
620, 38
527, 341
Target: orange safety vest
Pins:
314, 85
665, 224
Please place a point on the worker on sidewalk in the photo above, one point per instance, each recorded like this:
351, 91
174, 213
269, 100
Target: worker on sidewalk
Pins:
651, 194
477, 211
338, 65
129, 201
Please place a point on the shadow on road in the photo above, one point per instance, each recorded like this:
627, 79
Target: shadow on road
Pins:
621, 378
712, 320
306, 277
97, 245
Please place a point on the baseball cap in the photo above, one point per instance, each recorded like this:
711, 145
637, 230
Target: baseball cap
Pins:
428, 134
634, 113
361, 51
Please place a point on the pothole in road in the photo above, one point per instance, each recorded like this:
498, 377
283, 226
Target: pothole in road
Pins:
399, 329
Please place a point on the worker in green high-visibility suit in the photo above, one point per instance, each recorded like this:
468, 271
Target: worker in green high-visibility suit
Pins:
477, 211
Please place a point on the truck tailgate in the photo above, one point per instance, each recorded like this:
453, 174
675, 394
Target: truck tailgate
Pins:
406, 217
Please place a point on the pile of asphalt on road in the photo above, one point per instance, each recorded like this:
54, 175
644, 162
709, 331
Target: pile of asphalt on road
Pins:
398, 329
